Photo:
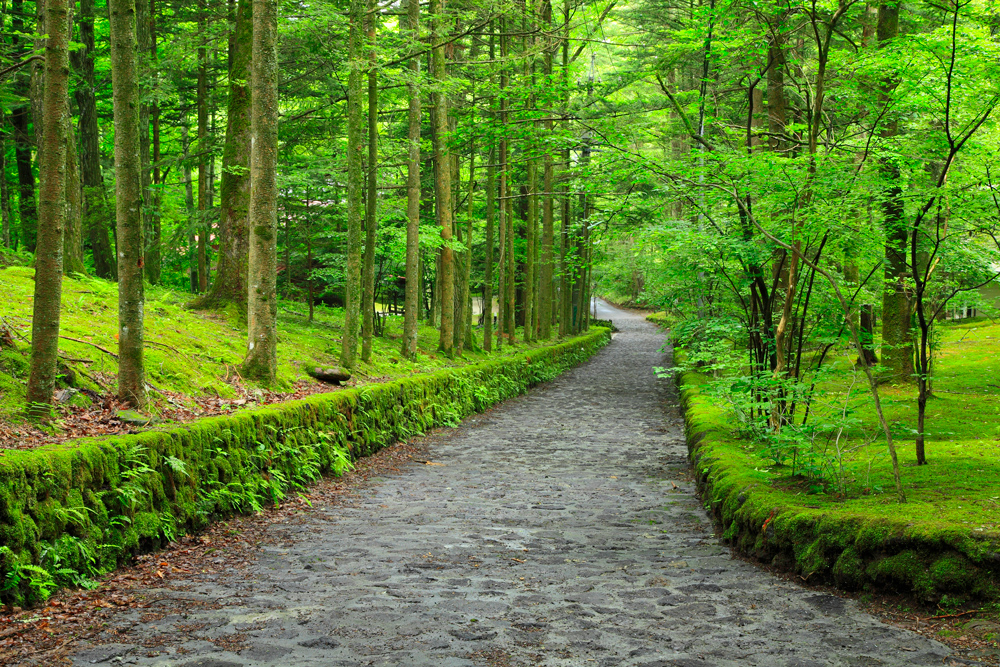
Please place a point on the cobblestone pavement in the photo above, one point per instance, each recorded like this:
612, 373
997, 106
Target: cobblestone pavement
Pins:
558, 529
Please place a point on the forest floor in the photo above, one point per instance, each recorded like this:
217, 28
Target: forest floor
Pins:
560, 528
191, 357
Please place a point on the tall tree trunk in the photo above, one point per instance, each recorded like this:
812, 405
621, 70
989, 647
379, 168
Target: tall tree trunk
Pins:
230, 284
52, 170
27, 211
371, 203
73, 229
96, 209
203, 152
897, 338
355, 182
4, 189
154, 250
128, 203
468, 324
411, 309
143, 36
490, 220
261, 362
444, 203
548, 233
189, 206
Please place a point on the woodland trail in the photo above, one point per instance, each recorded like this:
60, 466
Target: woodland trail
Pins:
560, 528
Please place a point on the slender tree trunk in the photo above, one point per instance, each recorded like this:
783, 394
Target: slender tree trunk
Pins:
490, 221
28, 212
73, 230
411, 309
230, 284
262, 347
96, 209
444, 203
4, 189
52, 169
468, 324
355, 181
154, 250
202, 147
548, 233
897, 338
143, 36
189, 206
128, 203
371, 203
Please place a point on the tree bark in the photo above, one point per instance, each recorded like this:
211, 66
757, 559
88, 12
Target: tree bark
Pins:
261, 362
230, 284
411, 309
128, 203
143, 36
371, 200
355, 181
52, 170
548, 232
444, 203
73, 229
202, 148
27, 211
96, 210
4, 189
154, 251
897, 338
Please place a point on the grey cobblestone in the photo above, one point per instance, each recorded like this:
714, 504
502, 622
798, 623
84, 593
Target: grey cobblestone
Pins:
558, 531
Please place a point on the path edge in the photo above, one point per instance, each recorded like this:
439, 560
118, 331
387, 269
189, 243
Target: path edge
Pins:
923, 560
79, 508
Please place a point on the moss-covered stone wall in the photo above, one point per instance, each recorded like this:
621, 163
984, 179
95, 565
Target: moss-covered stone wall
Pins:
926, 559
81, 507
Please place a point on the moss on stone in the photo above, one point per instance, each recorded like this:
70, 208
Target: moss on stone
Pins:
127, 493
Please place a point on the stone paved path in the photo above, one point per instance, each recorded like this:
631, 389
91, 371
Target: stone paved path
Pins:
559, 530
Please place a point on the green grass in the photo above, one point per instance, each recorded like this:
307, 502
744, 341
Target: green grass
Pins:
194, 353
953, 503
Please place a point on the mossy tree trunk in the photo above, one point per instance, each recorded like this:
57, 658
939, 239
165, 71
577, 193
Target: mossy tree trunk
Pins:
128, 202
73, 230
411, 309
355, 182
548, 234
443, 203
52, 170
27, 211
203, 153
4, 190
96, 209
144, 39
230, 284
371, 198
897, 338
154, 251
261, 362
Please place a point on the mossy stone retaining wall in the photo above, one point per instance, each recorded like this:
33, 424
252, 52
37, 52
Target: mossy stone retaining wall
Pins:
83, 506
927, 559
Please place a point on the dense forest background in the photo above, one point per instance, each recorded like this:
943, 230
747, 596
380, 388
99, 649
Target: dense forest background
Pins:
788, 176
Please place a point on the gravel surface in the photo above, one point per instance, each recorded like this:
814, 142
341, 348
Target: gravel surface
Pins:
560, 528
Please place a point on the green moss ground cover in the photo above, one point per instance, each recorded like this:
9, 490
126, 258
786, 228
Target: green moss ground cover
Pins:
192, 353
71, 510
834, 516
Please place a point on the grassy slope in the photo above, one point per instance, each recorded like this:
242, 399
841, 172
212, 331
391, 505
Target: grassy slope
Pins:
191, 352
955, 500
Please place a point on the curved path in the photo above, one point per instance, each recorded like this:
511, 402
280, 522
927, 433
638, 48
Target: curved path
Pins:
559, 529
